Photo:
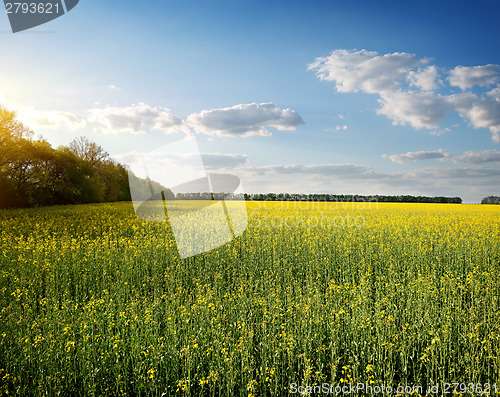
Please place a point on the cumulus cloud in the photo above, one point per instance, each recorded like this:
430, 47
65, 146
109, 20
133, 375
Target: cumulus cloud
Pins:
485, 156
417, 156
365, 71
481, 112
240, 120
469, 157
446, 173
244, 120
369, 72
136, 119
50, 119
466, 77
223, 161
351, 170
425, 79
419, 109
416, 103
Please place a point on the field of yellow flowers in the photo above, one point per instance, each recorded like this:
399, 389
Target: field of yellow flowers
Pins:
94, 301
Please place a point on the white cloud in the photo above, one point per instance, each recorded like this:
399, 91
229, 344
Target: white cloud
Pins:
369, 72
340, 127
466, 77
484, 156
223, 161
425, 79
441, 131
244, 120
494, 93
136, 119
365, 71
447, 173
351, 170
417, 156
39, 120
470, 157
239, 120
419, 109
482, 112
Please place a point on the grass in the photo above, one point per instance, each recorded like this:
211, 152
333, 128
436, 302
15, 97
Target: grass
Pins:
94, 301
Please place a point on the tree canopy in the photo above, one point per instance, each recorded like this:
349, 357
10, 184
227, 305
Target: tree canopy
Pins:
33, 173
351, 198
491, 200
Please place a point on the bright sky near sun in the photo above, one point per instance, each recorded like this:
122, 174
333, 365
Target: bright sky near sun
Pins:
347, 97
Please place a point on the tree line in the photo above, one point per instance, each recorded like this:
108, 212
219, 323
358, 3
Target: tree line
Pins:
32, 173
491, 200
351, 198
318, 197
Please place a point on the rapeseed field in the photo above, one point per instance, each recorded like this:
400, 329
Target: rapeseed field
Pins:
94, 301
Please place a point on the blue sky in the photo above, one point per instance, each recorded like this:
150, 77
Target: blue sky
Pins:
363, 97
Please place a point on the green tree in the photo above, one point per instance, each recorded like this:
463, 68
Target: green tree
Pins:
15, 142
491, 200
89, 151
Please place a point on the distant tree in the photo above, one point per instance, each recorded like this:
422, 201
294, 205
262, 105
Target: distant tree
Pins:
349, 198
102, 179
11, 129
491, 200
88, 150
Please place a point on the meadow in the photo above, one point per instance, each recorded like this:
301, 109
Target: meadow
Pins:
94, 301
